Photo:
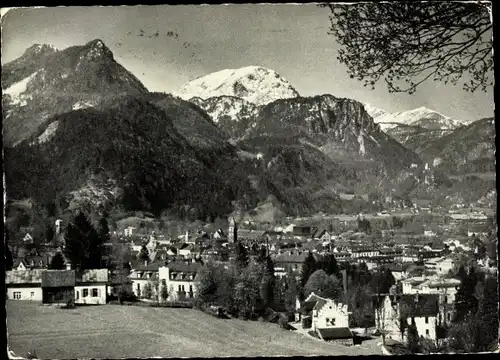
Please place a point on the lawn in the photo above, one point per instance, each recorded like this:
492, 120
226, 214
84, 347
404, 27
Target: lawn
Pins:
114, 331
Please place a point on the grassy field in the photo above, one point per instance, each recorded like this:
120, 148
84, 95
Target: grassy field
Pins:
113, 331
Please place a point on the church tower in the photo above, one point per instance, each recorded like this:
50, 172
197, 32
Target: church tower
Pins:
232, 234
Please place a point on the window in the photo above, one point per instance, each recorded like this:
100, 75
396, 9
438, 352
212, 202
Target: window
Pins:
426, 320
95, 293
164, 282
427, 332
190, 288
449, 317
77, 295
17, 295
180, 288
32, 294
445, 299
85, 292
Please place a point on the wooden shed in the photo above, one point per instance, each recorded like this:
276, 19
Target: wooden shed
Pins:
58, 286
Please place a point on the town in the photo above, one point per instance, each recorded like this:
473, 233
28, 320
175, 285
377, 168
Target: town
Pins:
384, 272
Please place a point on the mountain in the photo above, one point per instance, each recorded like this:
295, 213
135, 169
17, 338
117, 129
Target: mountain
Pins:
254, 84
341, 128
415, 138
422, 117
467, 149
234, 115
45, 81
135, 151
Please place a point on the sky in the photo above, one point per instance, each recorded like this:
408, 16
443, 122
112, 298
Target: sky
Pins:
290, 39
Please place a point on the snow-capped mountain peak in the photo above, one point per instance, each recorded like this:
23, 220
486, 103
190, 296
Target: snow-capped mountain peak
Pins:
255, 84
421, 116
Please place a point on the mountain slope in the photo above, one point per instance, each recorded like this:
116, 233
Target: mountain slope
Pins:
467, 149
233, 115
255, 84
130, 147
422, 117
44, 82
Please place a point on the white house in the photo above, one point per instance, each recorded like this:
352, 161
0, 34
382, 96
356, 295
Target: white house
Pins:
419, 309
91, 287
24, 284
180, 279
129, 231
28, 238
144, 277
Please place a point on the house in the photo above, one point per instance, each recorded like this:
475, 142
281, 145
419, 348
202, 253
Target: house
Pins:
129, 231
289, 262
28, 238
219, 234
31, 262
446, 290
91, 286
394, 313
322, 235
58, 286
24, 284
136, 245
180, 279
303, 230
326, 317
145, 277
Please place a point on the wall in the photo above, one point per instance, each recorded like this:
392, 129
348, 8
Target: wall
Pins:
173, 285
26, 293
422, 326
330, 311
142, 283
99, 299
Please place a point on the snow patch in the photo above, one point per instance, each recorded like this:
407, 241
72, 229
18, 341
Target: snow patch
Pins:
82, 105
361, 142
252, 83
49, 132
16, 90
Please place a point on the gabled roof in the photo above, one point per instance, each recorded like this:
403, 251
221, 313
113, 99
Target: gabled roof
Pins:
334, 333
149, 267
184, 267
16, 277
58, 278
319, 304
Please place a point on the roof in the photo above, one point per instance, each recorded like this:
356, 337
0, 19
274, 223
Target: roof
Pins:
58, 278
319, 304
293, 258
419, 305
334, 333
15, 277
183, 267
149, 267
94, 275
250, 234
310, 302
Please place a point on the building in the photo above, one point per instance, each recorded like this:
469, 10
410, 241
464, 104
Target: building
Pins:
24, 284
290, 262
129, 231
144, 279
58, 226
28, 238
329, 319
180, 279
394, 313
303, 230
91, 287
58, 286
323, 235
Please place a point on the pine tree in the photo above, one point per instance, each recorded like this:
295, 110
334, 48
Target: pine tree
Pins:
242, 258
104, 230
413, 338
49, 234
329, 264
144, 253
74, 247
308, 268
57, 262
488, 314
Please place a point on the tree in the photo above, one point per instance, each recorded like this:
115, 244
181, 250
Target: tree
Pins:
268, 283
408, 43
308, 268
323, 285
242, 258
382, 281
103, 230
144, 253
466, 302
49, 233
164, 293
83, 247
488, 314
329, 265
148, 291
57, 262
413, 339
